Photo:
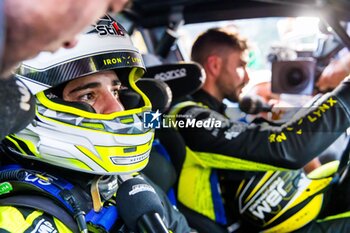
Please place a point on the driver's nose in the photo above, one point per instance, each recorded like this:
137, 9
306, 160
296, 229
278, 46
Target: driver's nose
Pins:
109, 104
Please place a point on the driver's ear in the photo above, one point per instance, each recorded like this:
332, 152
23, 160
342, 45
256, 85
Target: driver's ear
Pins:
213, 65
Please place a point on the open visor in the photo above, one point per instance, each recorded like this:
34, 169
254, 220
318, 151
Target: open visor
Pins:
49, 106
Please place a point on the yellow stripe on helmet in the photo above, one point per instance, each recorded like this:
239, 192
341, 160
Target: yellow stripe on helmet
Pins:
106, 163
134, 75
28, 143
124, 150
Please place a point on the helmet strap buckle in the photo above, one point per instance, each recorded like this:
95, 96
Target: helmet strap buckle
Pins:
95, 195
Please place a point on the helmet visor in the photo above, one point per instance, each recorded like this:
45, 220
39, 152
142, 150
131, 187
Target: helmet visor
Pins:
53, 76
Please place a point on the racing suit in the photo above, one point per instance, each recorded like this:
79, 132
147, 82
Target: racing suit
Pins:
33, 202
224, 160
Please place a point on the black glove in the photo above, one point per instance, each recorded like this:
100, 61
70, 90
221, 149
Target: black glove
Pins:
17, 106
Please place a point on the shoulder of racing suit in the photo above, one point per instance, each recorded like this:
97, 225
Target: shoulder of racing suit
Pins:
42, 201
51, 196
263, 146
274, 200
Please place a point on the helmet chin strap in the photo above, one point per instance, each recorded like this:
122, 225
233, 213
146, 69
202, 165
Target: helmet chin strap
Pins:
102, 189
95, 194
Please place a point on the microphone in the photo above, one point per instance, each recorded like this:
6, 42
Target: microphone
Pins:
253, 104
17, 106
182, 78
140, 207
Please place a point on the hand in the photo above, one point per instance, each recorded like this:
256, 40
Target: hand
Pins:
334, 73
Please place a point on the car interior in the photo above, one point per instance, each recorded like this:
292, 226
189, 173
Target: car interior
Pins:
283, 34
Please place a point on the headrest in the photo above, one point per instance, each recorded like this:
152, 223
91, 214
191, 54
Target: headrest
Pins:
157, 91
182, 78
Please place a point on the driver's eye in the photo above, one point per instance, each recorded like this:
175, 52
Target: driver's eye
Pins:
87, 97
116, 93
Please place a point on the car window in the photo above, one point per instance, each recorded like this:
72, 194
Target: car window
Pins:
264, 34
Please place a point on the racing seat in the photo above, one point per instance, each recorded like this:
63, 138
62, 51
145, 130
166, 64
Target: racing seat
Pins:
176, 147
159, 168
183, 79
171, 82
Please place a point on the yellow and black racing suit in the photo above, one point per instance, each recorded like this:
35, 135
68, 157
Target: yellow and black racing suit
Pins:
32, 202
22, 219
236, 169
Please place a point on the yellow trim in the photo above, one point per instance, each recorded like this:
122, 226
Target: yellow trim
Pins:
240, 188
42, 117
93, 125
308, 213
134, 75
213, 160
12, 220
177, 108
16, 144
337, 216
105, 162
195, 180
31, 217
325, 170
80, 127
71, 110
127, 120
313, 188
79, 164
262, 181
61, 227
29, 144
120, 150
42, 177
219, 161
132, 79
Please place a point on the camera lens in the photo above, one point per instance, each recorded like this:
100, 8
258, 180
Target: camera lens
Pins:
295, 77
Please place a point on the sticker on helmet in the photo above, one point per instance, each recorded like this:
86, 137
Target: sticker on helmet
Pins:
106, 26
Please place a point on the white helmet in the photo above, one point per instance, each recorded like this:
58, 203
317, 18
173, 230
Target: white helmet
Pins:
67, 134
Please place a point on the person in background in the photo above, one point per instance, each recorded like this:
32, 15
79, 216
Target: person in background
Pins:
248, 176
334, 73
33, 26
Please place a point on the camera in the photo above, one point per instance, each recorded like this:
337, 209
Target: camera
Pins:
295, 72
293, 76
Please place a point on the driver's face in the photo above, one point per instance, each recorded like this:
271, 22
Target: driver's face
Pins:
233, 76
100, 90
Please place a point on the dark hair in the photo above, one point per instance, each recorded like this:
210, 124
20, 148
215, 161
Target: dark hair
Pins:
214, 41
